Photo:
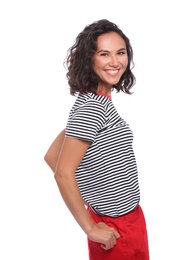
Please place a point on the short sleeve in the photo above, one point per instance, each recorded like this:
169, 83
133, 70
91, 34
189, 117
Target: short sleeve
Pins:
86, 120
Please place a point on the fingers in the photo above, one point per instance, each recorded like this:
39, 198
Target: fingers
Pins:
105, 235
113, 235
110, 243
116, 234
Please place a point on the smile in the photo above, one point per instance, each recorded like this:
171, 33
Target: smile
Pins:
112, 72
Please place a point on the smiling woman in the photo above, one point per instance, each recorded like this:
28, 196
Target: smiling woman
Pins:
81, 72
94, 163
110, 60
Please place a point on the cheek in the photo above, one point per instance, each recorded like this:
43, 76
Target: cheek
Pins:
125, 62
125, 65
98, 63
97, 67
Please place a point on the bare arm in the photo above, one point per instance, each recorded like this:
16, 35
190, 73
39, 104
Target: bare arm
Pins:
52, 155
72, 152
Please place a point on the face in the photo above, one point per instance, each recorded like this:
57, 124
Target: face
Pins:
110, 60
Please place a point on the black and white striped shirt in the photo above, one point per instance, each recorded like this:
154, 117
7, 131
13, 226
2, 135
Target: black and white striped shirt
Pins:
107, 176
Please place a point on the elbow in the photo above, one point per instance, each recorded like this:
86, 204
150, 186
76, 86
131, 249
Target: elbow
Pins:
50, 162
47, 158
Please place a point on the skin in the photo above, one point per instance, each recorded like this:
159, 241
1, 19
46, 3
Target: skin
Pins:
110, 60
51, 156
109, 63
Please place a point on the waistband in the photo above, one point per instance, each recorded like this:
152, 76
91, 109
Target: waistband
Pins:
95, 216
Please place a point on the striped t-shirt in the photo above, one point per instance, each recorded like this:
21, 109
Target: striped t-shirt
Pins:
107, 176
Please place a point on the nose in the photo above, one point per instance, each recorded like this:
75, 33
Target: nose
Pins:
113, 61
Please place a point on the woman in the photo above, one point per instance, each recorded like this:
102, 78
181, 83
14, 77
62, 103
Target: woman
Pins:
96, 170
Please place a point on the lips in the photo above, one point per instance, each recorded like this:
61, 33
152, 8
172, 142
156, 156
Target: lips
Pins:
112, 72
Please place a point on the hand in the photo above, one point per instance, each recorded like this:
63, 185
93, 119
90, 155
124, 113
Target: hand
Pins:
104, 234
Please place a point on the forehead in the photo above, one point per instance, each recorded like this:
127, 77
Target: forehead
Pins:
110, 40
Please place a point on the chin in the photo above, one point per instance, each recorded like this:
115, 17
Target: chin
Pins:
114, 82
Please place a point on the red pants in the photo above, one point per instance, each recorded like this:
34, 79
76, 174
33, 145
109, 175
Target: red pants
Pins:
133, 243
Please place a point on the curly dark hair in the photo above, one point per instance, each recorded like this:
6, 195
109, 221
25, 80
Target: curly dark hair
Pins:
81, 76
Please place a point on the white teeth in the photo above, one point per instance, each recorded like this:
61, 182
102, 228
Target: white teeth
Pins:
112, 72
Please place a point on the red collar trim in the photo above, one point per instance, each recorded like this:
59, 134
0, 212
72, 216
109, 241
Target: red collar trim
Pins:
103, 94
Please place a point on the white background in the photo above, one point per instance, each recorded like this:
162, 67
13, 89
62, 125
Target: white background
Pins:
34, 105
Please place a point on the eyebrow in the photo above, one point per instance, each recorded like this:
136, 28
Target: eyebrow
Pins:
122, 49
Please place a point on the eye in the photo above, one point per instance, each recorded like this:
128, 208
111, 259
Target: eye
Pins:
121, 52
104, 54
